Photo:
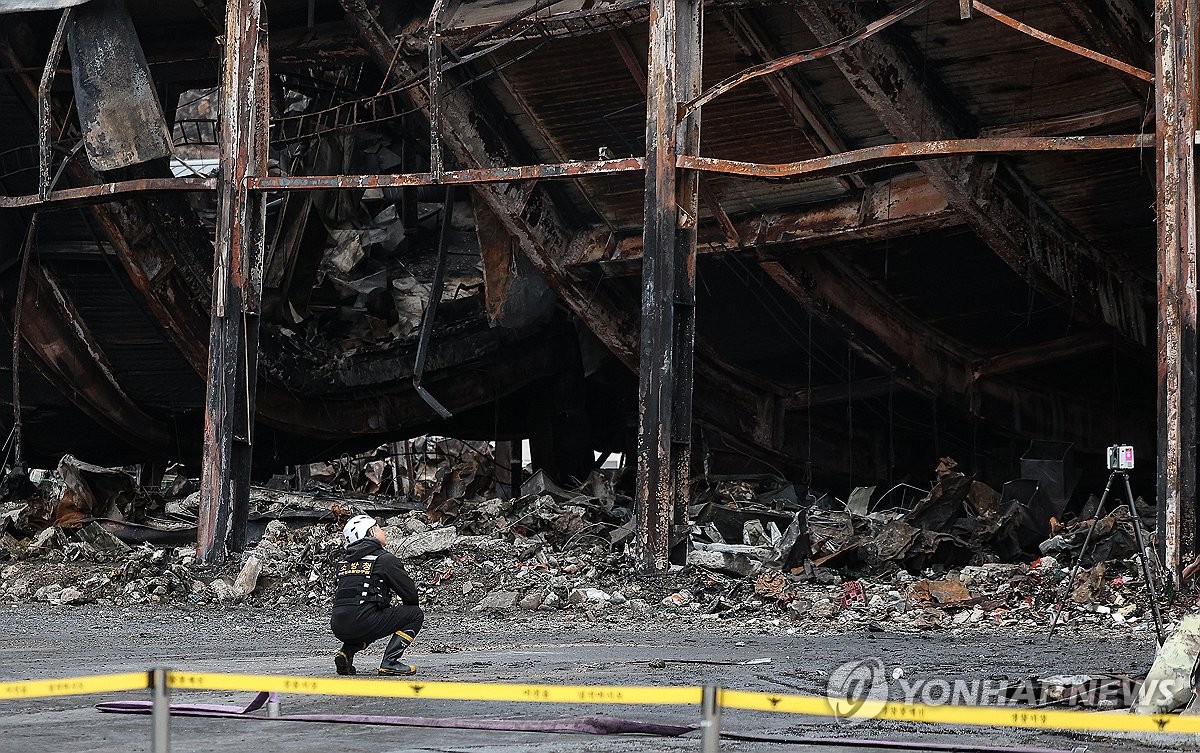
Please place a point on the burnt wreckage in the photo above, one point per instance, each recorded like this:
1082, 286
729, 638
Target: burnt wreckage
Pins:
833, 239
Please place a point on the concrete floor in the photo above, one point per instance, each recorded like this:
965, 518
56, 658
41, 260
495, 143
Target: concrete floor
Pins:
45, 642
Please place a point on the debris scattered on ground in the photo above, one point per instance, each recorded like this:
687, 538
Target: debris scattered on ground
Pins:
761, 554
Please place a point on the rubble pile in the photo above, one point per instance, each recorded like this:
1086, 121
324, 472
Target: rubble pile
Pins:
760, 553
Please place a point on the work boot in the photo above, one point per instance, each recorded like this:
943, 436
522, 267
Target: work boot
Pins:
343, 661
392, 664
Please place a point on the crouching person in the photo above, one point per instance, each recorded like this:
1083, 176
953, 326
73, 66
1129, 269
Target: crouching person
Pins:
363, 613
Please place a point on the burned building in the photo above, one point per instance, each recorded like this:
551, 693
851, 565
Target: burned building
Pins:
834, 240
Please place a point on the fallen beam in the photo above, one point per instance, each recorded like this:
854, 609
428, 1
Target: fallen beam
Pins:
824, 394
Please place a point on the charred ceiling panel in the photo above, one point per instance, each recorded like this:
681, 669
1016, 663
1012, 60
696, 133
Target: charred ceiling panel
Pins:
119, 112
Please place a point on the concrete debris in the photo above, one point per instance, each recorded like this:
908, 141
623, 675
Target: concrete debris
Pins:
760, 555
247, 579
498, 601
426, 542
735, 563
587, 595
532, 601
225, 591
70, 596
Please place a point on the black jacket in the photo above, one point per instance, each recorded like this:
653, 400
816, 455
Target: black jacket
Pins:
387, 565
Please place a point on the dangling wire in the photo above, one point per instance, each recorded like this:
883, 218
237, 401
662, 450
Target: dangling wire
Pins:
808, 460
891, 430
18, 306
850, 412
937, 444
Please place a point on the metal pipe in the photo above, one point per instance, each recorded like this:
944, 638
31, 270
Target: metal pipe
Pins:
915, 151
710, 721
830, 165
1063, 44
435, 297
160, 713
787, 61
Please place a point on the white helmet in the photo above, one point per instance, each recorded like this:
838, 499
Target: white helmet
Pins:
358, 527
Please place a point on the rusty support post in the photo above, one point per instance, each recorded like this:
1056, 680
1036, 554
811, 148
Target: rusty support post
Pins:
435, 88
1176, 120
668, 279
26, 248
237, 285
44, 119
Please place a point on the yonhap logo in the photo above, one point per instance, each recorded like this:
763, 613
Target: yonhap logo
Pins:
855, 684
858, 690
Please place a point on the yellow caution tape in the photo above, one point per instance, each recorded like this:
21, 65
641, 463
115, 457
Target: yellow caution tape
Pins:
991, 716
459, 691
74, 685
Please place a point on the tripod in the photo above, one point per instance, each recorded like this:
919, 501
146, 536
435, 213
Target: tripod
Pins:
1141, 546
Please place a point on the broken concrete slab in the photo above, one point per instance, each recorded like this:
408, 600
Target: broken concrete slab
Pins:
587, 596
734, 563
426, 542
224, 591
247, 579
532, 601
497, 601
70, 595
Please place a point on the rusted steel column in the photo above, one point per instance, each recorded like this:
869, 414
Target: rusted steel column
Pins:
435, 88
237, 285
668, 279
1175, 52
45, 122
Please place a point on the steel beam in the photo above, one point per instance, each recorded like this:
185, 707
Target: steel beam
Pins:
668, 280
1176, 120
908, 205
237, 286
1007, 215
1041, 354
785, 85
844, 163
1117, 27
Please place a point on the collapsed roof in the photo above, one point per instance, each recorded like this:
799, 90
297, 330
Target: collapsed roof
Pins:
853, 320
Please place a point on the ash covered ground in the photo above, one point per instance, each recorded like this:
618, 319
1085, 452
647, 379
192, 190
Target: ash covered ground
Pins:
563, 646
775, 596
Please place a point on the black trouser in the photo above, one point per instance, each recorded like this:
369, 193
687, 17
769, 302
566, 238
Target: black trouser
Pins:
367, 623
